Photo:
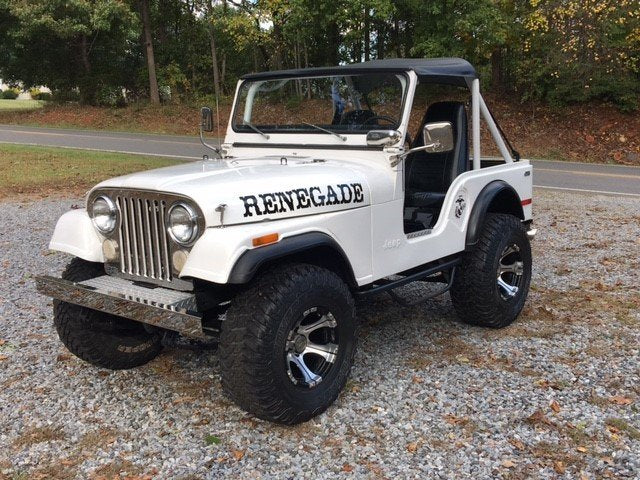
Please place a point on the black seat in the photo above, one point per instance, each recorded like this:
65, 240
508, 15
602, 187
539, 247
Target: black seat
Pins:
428, 175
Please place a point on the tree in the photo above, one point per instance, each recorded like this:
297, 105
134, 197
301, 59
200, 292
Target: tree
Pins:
154, 95
67, 44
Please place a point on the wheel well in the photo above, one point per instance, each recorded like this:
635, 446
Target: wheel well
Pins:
506, 201
321, 256
315, 248
496, 197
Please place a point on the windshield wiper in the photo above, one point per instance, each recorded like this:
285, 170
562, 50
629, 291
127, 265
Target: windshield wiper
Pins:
257, 130
341, 137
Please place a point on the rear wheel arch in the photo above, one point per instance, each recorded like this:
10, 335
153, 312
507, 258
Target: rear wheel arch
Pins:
496, 197
313, 248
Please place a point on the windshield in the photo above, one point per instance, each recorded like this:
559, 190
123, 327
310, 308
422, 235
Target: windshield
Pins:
321, 105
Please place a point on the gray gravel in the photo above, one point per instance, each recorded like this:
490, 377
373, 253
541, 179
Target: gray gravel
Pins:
555, 395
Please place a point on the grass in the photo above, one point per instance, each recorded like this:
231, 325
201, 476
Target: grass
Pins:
19, 105
46, 170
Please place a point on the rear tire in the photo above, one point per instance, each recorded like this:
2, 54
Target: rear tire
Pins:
288, 342
491, 286
99, 338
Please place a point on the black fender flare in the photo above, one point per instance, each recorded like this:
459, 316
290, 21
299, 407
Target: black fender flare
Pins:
250, 261
495, 190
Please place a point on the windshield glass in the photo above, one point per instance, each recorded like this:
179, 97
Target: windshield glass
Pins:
338, 103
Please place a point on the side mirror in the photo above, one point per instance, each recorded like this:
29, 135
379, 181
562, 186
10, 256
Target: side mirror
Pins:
438, 137
383, 138
206, 119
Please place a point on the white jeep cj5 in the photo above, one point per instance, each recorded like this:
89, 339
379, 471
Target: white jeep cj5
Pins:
320, 195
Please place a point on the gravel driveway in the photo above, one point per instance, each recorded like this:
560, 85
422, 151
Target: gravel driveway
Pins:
555, 395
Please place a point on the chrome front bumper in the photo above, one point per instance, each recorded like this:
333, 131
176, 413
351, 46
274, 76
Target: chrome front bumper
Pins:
160, 307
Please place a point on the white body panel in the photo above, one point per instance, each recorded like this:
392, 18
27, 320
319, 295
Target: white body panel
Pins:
296, 183
75, 234
349, 228
393, 251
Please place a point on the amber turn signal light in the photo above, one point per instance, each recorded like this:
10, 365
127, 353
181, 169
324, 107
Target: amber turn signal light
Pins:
265, 239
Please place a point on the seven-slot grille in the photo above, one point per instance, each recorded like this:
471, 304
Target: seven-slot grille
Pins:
143, 237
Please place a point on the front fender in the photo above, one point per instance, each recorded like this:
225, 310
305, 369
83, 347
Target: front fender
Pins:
75, 234
227, 255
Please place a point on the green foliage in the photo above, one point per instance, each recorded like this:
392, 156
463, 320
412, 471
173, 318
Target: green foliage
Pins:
10, 94
557, 51
37, 94
212, 440
65, 95
110, 96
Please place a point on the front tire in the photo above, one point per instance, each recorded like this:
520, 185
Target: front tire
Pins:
288, 342
99, 338
491, 286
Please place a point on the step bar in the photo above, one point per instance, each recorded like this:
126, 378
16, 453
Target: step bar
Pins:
160, 307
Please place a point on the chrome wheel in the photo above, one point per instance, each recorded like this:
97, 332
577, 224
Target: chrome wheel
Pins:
510, 271
312, 347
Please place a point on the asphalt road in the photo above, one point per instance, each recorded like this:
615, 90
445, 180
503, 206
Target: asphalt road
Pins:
580, 177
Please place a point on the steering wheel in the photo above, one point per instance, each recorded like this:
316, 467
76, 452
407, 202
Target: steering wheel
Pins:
381, 117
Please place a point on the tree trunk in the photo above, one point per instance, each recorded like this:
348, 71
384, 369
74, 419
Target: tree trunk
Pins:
396, 37
87, 84
333, 56
306, 65
496, 68
380, 40
223, 71
367, 34
214, 58
154, 95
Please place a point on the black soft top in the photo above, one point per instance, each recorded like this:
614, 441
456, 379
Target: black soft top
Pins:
454, 71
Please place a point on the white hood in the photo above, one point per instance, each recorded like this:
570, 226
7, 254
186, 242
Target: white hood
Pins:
257, 189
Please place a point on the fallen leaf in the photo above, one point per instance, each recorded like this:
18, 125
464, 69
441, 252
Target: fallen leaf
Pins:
412, 447
613, 429
347, 468
590, 138
417, 379
538, 417
582, 449
2, 342
559, 467
619, 400
517, 444
238, 454
3, 357
453, 420
555, 406
508, 463
63, 357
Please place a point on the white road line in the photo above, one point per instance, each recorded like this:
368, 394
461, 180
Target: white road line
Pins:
593, 174
105, 150
604, 192
107, 135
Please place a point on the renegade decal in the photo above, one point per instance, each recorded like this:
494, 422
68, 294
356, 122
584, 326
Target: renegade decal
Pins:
300, 198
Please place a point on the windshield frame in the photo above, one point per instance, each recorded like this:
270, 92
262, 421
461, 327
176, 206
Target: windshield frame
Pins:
313, 131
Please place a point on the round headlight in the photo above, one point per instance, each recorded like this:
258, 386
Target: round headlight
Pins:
183, 223
104, 214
